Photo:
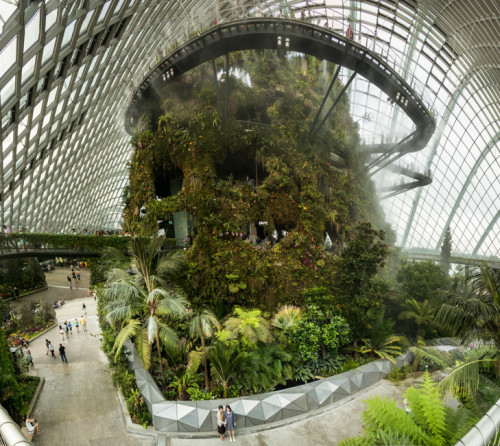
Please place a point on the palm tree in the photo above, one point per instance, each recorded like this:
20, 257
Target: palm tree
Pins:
385, 348
286, 317
225, 362
475, 313
183, 362
202, 325
421, 312
139, 302
250, 325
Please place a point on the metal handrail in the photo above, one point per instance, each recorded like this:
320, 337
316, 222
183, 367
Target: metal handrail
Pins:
10, 432
486, 432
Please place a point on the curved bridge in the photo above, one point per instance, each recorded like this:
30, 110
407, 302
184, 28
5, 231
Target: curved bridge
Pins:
293, 35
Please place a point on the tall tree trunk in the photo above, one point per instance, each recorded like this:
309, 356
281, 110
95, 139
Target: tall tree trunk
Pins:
204, 350
159, 358
224, 387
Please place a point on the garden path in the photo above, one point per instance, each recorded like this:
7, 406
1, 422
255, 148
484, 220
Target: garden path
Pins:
78, 404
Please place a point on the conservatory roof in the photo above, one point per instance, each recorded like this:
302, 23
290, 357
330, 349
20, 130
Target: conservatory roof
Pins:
68, 70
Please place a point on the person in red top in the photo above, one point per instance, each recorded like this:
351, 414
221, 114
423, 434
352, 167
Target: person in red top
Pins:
349, 33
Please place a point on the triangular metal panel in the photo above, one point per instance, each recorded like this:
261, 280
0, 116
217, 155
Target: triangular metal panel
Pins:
257, 412
248, 405
188, 415
271, 411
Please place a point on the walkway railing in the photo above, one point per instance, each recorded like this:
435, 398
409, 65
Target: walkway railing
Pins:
486, 432
10, 433
63, 245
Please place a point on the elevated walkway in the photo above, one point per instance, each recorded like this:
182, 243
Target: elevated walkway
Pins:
63, 245
303, 37
458, 259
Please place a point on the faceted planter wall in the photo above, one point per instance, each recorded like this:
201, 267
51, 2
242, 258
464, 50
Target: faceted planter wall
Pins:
201, 416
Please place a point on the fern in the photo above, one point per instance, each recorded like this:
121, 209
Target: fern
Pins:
383, 414
441, 359
427, 408
458, 423
356, 441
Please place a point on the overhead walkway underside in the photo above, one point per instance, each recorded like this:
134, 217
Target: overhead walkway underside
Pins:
302, 37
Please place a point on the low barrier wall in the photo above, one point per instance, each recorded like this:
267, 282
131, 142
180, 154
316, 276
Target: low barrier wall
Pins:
201, 416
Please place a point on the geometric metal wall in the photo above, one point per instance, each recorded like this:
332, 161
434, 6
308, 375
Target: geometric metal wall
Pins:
68, 68
201, 416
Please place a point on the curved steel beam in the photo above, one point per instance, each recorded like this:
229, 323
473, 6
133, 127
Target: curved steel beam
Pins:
486, 232
493, 142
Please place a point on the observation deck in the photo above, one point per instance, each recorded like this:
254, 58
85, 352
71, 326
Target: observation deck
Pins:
302, 37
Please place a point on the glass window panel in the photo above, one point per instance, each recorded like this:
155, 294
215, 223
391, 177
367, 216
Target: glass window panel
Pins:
32, 32
8, 91
86, 21
104, 10
50, 19
8, 56
48, 51
7, 159
68, 33
28, 70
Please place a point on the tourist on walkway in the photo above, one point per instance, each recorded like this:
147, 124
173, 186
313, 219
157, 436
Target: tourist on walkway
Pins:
61, 331
51, 348
30, 358
70, 328
230, 422
70, 283
349, 33
31, 425
83, 323
47, 342
63, 353
84, 308
221, 428
77, 326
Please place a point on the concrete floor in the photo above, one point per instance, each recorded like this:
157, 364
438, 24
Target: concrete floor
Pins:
79, 404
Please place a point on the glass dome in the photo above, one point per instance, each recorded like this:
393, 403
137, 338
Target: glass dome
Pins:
69, 69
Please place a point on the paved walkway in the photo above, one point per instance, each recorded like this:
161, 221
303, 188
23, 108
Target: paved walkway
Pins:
78, 405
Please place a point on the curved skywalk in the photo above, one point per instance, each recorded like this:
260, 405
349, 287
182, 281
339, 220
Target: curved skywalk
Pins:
68, 69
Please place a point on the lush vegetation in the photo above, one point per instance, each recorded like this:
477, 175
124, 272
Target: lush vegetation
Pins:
16, 389
260, 298
428, 421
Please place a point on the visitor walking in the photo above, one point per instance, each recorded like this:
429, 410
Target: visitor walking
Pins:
61, 331
70, 282
221, 428
30, 358
83, 323
84, 308
51, 349
70, 328
63, 353
230, 422
77, 326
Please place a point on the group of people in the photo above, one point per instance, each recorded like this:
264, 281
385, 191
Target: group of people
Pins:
75, 275
226, 422
68, 327
51, 350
